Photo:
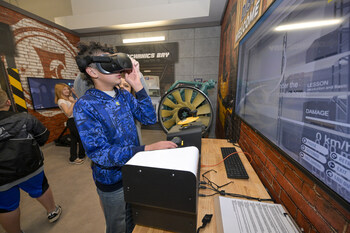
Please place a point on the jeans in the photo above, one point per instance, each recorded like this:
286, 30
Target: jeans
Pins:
117, 213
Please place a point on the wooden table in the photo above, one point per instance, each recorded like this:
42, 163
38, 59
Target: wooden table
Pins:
211, 154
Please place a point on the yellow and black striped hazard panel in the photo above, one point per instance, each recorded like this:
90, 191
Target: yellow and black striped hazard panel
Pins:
17, 90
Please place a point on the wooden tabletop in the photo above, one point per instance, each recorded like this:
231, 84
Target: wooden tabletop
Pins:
211, 155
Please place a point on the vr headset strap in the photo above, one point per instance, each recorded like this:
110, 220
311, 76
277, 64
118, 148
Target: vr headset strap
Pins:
101, 59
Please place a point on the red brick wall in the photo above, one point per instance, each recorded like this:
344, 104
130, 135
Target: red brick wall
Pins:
43, 51
311, 207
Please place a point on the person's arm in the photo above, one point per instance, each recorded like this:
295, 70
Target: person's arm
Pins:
143, 82
37, 129
101, 149
74, 93
67, 110
141, 107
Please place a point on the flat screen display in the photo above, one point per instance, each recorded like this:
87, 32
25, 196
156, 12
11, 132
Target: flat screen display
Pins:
293, 86
42, 91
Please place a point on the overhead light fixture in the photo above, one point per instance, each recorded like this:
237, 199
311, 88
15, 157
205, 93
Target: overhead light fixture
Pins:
147, 71
140, 25
144, 39
306, 25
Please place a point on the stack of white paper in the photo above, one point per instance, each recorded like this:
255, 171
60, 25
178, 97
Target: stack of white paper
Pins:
241, 216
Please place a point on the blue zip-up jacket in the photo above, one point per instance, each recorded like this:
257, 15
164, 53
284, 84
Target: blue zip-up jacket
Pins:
107, 130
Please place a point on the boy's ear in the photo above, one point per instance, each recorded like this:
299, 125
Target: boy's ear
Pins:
8, 103
92, 72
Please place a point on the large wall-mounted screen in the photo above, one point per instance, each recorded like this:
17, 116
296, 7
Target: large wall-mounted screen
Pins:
42, 91
293, 85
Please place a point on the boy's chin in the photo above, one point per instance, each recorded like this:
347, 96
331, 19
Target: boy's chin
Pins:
117, 82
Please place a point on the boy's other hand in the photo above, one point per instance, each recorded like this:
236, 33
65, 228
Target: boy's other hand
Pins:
160, 145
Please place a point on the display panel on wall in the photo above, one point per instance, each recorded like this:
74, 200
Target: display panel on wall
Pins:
42, 91
293, 86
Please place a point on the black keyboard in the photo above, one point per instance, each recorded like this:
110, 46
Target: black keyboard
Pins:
233, 164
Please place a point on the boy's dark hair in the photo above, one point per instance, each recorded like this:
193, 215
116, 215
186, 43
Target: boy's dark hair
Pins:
91, 49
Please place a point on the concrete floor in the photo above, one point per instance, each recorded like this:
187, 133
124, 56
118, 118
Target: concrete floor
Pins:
74, 190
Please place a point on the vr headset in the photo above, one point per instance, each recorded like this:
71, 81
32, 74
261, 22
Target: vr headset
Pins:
106, 64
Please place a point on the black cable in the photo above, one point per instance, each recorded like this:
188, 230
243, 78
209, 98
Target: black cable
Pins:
206, 219
207, 195
223, 193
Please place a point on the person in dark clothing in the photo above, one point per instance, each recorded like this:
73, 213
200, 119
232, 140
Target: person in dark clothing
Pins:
21, 165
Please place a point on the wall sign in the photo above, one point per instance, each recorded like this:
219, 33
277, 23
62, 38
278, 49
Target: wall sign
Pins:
166, 52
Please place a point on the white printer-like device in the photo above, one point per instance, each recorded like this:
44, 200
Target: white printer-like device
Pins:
162, 186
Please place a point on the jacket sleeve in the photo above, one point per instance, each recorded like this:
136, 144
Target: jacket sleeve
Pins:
142, 108
144, 84
97, 144
37, 129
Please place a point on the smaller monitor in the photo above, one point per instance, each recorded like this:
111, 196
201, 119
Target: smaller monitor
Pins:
42, 91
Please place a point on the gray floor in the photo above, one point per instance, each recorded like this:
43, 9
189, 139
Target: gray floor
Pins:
74, 190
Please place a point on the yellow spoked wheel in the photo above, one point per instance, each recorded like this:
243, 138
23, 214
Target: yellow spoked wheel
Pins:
182, 102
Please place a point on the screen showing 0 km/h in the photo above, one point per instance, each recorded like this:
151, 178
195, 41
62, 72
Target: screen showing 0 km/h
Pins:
293, 86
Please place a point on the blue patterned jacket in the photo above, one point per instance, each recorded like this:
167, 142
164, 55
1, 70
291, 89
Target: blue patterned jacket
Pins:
107, 130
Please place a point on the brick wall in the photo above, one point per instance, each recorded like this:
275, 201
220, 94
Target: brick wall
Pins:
311, 207
43, 51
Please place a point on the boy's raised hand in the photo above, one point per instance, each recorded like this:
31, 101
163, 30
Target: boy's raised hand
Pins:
133, 78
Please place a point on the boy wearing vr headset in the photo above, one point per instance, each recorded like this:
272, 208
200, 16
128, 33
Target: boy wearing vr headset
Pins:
105, 120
